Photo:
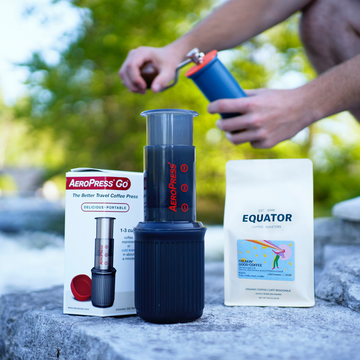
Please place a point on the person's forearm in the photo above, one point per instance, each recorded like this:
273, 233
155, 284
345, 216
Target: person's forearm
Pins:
235, 22
334, 91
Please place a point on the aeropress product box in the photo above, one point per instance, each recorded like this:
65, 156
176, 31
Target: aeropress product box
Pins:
102, 209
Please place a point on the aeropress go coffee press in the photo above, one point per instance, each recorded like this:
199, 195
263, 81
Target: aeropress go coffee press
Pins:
103, 272
169, 244
209, 74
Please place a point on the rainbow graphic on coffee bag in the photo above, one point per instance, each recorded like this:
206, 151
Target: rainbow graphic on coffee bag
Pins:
266, 260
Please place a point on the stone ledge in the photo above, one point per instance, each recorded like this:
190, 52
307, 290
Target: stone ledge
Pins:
334, 231
31, 214
347, 210
33, 327
340, 280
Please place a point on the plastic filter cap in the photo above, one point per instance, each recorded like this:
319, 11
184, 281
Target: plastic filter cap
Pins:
169, 126
81, 287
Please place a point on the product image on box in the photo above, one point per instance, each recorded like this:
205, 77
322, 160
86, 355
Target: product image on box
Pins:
103, 272
101, 289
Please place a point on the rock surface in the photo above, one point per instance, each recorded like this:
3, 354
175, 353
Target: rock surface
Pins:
27, 179
348, 210
340, 279
31, 214
32, 326
334, 231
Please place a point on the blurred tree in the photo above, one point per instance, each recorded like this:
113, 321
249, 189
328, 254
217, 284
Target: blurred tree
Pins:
82, 99
84, 109
22, 146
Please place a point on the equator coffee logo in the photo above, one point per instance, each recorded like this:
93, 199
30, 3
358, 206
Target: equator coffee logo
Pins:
266, 217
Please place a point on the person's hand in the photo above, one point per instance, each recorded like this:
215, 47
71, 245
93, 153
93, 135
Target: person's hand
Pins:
165, 60
268, 116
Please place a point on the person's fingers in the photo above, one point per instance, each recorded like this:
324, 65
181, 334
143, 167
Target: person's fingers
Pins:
164, 77
256, 138
135, 77
263, 143
229, 106
123, 70
242, 136
253, 92
130, 70
259, 144
164, 62
128, 83
235, 124
126, 80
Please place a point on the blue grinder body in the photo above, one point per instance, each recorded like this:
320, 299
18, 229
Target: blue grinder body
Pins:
216, 82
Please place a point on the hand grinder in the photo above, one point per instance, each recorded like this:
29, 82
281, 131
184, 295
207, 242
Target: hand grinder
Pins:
103, 272
209, 74
169, 244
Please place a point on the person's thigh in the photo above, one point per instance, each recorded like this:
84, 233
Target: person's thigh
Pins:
330, 32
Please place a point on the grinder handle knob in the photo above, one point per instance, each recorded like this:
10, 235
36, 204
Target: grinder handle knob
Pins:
148, 72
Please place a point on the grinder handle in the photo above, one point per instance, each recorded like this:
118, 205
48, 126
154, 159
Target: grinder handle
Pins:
148, 72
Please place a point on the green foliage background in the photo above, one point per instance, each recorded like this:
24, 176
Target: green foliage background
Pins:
79, 114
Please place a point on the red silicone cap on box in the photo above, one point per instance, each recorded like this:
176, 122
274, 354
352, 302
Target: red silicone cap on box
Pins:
81, 287
207, 58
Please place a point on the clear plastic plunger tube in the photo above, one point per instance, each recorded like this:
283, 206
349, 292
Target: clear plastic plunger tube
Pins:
169, 164
104, 243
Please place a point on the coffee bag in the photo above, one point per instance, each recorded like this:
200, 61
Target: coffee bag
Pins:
269, 242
